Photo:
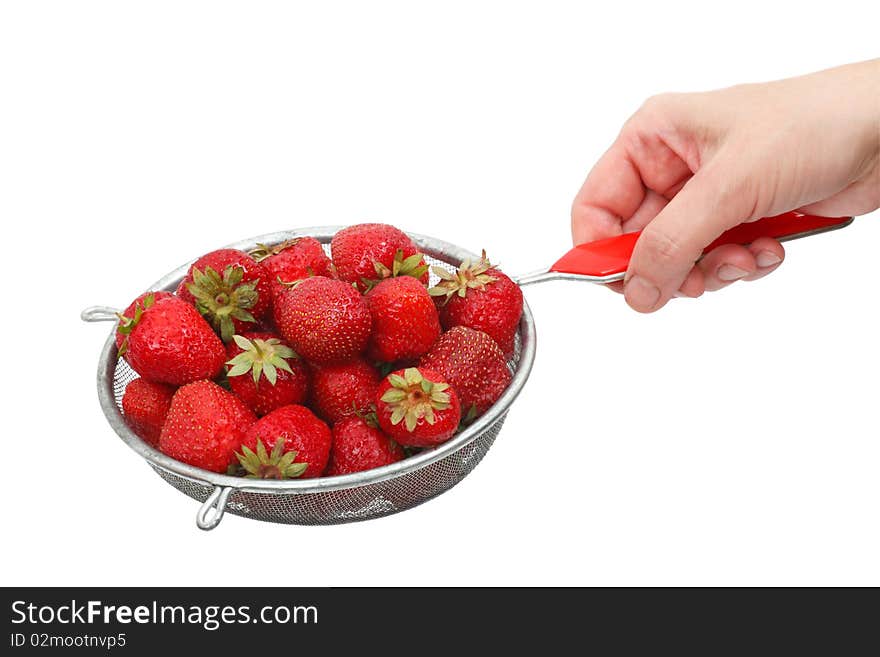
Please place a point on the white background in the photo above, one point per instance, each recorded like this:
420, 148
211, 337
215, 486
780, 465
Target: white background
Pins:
728, 440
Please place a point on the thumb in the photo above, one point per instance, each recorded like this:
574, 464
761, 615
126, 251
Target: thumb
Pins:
716, 198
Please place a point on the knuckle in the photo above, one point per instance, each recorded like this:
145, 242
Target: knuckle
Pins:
745, 187
651, 108
744, 198
661, 111
661, 245
657, 101
576, 207
658, 104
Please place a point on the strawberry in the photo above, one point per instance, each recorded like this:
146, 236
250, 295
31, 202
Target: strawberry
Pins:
358, 444
166, 340
205, 426
364, 254
473, 364
145, 405
292, 261
230, 289
479, 296
301, 431
265, 373
132, 310
324, 320
405, 321
340, 391
417, 407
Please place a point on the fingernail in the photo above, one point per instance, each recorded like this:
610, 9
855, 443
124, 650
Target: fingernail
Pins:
641, 294
731, 273
767, 259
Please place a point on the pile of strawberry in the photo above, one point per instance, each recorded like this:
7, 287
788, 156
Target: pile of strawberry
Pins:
283, 363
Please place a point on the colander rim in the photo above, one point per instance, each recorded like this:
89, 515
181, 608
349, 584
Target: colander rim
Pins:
436, 248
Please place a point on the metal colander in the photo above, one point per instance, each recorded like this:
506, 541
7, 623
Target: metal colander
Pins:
327, 500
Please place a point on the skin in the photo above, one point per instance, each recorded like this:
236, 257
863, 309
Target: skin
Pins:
687, 167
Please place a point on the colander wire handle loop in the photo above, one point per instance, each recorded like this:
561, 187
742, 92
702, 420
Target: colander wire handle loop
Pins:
211, 512
606, 261
99, 314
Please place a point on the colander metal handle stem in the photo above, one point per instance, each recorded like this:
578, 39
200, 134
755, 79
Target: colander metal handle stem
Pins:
211, 512
606, 261
99, 314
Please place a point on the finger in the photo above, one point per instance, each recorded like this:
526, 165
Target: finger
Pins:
860, 197
768, 254
692, 287
632, 179
715, 199
694, 284
727, 264
651, 206
611, 193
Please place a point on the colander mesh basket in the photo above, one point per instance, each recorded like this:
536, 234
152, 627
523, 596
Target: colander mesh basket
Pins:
328, 500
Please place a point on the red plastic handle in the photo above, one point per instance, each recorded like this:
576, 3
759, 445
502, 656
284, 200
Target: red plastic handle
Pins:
611, 256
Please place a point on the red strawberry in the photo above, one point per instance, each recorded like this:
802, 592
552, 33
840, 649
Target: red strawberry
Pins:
358, 444
145, 406
340, 391
324, 320
405, 322
367, 253
132, 309
293, 260
165, 340
479, 296
205, 426
301, 431
230, 289
473, 364
265, 373
417, 407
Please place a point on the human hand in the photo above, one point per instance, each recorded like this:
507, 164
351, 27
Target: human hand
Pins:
687, 167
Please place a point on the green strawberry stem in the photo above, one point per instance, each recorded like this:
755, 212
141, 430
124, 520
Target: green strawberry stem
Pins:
127, 324
369, 418
412, 266
260, 357
221, 298
413, 397
277, 465
469, 276
263, 251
